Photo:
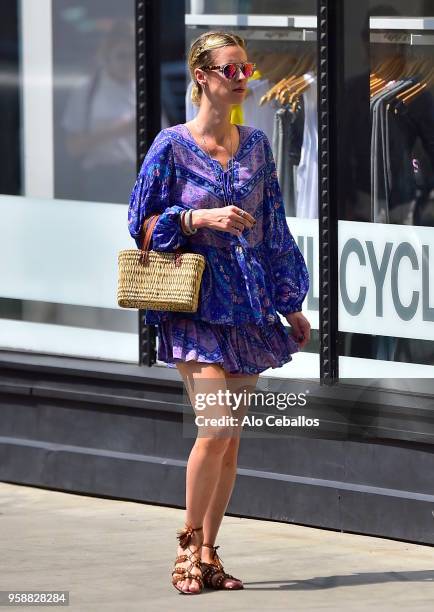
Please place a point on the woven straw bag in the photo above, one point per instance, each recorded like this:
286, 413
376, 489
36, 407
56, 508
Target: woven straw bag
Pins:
159, 280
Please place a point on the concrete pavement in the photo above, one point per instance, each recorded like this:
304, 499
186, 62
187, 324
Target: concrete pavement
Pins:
117, 556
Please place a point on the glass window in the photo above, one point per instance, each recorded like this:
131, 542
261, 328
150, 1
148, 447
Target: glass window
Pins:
69, 110
94, 100
386, 242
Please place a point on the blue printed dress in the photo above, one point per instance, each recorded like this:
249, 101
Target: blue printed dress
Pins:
247, 280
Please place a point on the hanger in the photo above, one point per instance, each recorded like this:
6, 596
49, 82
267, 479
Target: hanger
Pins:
294, 84
385, 73
292, 95
418, 88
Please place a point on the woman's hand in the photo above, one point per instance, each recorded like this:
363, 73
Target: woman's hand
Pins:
300, 326
230, 219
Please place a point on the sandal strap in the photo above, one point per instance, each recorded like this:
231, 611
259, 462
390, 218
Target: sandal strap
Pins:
214, 573
214, 577
181, 573
180, 570
189, 557
186, 574
185, 535
215, 556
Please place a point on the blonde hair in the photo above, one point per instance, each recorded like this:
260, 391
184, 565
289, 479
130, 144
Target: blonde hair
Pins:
200, 54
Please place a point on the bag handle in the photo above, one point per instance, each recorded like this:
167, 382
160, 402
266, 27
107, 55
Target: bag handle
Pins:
148, 228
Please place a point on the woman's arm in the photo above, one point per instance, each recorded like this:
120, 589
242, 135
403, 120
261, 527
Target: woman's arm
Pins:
151, 195
289, 270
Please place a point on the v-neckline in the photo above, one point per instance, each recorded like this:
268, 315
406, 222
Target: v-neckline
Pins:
205, 155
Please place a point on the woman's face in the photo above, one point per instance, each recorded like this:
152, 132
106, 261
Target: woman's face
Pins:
218, 88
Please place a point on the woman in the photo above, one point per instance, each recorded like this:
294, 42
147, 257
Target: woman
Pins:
225, 175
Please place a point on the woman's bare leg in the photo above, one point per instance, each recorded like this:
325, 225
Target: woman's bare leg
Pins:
224, 487
204, 463
228, 470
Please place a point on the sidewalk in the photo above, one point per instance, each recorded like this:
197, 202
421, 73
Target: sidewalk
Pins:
117, 556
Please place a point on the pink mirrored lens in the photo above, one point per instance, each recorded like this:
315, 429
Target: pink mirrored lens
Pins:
230, 71
248, 70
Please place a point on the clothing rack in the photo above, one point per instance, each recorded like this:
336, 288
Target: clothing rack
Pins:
251, 21
283, 35
402, 38
302, 28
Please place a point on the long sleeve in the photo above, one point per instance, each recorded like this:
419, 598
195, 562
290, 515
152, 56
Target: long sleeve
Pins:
152, 194
289, 270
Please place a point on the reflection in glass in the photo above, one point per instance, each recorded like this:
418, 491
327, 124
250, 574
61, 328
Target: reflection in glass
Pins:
68, 113
95, 136
388, 178
402, 137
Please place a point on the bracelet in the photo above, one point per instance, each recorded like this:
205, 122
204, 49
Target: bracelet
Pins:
192, 229
184, 228
186, 220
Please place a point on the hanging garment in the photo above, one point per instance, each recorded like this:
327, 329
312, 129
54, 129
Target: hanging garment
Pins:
261, 117
380, 150
287, 142
396, 127
191, 109
237, 112
307, 172
407, 124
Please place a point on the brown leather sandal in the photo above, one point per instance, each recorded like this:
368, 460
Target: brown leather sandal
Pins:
182, 573
214, 574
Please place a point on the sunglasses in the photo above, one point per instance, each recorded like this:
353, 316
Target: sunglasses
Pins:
230, 70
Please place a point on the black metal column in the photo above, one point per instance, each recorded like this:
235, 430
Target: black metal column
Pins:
147, 15
329, 87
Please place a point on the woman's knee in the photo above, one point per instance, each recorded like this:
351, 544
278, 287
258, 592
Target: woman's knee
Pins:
216, 445
231, 452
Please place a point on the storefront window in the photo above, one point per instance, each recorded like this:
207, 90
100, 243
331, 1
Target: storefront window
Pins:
70, 100
386, 241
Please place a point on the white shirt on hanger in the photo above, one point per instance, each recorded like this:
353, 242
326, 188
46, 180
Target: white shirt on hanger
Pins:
307, 171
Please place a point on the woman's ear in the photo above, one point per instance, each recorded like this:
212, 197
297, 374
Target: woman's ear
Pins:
200, 77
